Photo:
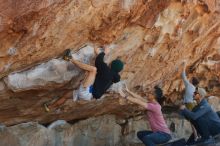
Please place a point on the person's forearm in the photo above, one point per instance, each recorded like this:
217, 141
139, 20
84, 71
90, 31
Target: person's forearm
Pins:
97, 50
185, 80
131, 99
184, 73
184, 68
80, 64
195, 115
137, 96
137, 101
107, 50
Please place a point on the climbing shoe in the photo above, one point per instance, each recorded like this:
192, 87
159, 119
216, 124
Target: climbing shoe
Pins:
46, 107
67, 55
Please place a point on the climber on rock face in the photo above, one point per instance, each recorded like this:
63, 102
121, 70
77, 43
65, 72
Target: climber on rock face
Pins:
203, 118
189, 88
160, 132
98, 80
106, 75
189, 92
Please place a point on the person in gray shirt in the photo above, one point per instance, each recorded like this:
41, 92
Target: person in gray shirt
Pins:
189, 88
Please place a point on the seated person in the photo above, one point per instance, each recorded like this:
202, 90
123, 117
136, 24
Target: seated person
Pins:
203, 118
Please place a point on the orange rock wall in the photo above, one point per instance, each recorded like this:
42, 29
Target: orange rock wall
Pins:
151, 37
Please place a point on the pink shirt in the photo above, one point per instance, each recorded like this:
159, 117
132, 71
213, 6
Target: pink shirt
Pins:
155, 118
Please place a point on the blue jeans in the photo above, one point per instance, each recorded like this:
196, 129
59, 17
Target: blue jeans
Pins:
150, 138
203, 130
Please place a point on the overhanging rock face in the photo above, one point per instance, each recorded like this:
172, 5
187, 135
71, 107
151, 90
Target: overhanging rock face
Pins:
54, 71
151, 37
57, 71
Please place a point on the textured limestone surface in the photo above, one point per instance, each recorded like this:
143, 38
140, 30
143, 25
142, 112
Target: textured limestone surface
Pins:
152, 37
99, 131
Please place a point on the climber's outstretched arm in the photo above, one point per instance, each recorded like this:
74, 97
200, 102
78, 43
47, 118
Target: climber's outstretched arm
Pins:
137, 101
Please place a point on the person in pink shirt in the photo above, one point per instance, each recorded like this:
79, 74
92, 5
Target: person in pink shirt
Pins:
159, 132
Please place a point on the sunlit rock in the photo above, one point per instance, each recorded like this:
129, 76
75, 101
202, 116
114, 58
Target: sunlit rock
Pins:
214, 102
53, 71
31, 134
151, 37
8, 138
56, 70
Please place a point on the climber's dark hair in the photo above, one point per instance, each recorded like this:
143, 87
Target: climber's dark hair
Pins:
205, 7
158, 92
195, 81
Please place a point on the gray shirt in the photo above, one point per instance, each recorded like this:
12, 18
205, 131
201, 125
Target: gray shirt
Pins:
189, 89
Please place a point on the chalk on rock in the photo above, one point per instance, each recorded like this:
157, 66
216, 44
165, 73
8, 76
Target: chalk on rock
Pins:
2, 127
152, 52
57, 124
12, 51
55, 70
85, 54
117, 87
75, 95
